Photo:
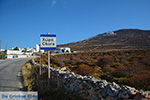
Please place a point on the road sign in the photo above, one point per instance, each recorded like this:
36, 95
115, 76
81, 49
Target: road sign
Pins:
48, 42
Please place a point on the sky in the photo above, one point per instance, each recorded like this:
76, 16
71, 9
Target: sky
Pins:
23, 21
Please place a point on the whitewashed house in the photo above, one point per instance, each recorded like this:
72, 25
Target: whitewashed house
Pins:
15, 52
109, 34
2, 49
65, 50
38, 48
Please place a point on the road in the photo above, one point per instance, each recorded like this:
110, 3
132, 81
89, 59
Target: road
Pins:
10, 79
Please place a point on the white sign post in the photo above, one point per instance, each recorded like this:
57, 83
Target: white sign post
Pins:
48, 42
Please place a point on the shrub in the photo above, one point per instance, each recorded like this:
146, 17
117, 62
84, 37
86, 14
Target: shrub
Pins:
105, 61
146, 61
117, 75
85, 70
121, 80
122, 70
140, 80
108, 69
60, 64
136, 67
125, 63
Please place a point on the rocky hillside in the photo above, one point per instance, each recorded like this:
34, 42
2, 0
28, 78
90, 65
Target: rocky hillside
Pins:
120, 39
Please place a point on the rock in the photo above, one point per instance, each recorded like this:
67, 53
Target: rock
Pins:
93, 97
82, 91
109, 98
110, 93
104, 82
132, 92
57, 69
71, 87
60, 72
138, 97
78, 76
84, 96
126, 96
91, 91
125, 92
116, 86
145, 94
88, 78
80, 87
79, 80
104, 92
101, 84
94, 80
120, 94
100, 97
63, 69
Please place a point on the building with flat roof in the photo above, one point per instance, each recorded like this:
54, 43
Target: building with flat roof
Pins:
38, 48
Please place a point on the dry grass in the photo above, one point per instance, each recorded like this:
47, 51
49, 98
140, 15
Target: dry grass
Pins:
30, 73
27, 75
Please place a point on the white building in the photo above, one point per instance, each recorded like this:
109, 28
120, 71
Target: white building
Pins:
16, 52
30, 50
38, 48
2, 50
65, 50
109, 34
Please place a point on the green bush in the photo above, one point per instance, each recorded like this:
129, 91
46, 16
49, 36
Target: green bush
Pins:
125, 63
121, 80
117, 75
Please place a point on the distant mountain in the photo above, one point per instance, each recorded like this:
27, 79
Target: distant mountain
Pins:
120, 39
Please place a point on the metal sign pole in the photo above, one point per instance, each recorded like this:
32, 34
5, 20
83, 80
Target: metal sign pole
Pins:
48, 42
48, 68
40, 65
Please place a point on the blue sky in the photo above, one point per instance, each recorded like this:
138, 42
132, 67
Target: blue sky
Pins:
22, 21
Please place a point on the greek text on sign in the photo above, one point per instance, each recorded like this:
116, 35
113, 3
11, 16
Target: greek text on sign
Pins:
48, 42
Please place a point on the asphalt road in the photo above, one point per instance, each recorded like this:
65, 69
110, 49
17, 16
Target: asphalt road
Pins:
10, 79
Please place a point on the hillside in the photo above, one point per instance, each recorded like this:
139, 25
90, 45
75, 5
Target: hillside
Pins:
120, 39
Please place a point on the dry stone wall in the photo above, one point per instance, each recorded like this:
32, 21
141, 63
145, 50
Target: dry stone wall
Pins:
89, 88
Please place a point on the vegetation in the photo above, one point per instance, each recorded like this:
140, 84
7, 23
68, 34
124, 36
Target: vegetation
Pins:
25, 50
124, 39
124, 67
29, 75
32, 82
16, 48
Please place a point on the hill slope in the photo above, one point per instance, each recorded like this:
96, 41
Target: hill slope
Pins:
120, 39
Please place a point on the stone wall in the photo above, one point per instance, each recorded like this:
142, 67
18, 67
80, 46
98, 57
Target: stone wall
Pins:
90, 88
